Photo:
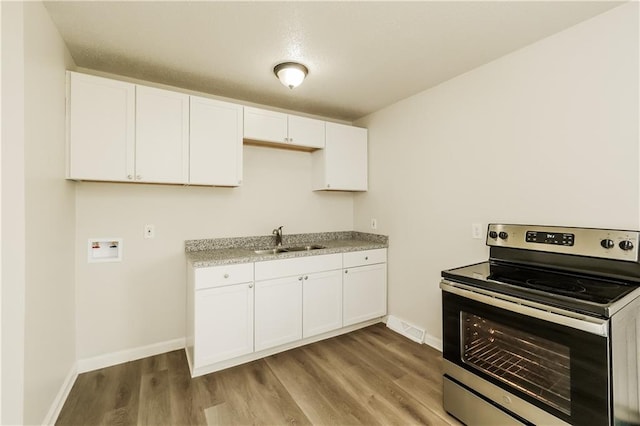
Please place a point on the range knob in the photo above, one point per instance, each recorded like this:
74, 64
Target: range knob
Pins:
607, 243
626, 245
493, 234
503, 235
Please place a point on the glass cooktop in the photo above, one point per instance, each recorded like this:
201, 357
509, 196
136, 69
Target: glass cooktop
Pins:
586, 294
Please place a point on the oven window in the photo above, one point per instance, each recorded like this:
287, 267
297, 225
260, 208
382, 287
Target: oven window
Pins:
534, 365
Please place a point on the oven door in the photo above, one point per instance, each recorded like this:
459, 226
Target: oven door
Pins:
550, 363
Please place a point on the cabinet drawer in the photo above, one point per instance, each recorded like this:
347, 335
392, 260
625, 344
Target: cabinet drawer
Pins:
216, 276
297, 266
365, 257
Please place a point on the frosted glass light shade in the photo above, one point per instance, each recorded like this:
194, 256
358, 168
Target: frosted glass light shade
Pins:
291, 74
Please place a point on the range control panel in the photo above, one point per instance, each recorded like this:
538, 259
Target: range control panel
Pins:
548, 237
604, 243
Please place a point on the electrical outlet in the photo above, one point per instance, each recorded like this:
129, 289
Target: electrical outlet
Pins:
476, 231
374, 223
149, 231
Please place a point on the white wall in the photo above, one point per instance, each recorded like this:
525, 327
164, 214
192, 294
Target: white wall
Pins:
141, 301
38, 219
545, 135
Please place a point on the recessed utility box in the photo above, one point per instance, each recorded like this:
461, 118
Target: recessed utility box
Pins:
105, 250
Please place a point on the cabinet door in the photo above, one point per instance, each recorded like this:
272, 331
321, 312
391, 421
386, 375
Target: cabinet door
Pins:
264, 125
321, 302
223, 323
278, 312
342, 164
101, 123
306, 132
364, 293
215, 142
162, 136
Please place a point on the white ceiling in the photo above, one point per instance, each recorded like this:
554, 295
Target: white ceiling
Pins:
362, 56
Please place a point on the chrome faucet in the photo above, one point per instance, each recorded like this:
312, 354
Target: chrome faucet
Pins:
278, 233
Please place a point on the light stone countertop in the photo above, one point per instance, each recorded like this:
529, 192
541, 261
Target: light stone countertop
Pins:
225, 251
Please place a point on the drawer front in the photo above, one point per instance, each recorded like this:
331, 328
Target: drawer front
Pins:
216, 276
297, 266
365, 257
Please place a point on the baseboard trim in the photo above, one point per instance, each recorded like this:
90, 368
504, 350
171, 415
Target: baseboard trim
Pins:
434, 342
114, 358
61, 397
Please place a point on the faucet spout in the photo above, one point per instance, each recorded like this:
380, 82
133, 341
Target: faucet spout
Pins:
278, 233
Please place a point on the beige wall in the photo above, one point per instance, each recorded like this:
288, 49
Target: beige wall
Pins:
13, 211
50, 350
141, 301
38, 219
545, 135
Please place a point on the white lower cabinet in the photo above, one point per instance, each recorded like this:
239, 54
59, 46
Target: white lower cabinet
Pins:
224, 323
291, 298
292, 308
236, 310
278, 312
220, 314
364, 286
321, 303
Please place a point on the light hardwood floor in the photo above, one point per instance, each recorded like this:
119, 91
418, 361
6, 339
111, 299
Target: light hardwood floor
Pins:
371, 376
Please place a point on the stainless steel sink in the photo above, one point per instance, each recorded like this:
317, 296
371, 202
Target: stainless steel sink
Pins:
305, 248
271, 251
288, 249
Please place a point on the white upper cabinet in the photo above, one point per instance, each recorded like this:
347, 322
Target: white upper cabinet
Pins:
215, 154
306, 132
101, 128
342, 164
265, 125
120, 131
125, 132
285, 129
162, 136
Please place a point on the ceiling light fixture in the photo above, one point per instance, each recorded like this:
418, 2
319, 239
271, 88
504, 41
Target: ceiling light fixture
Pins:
291, 74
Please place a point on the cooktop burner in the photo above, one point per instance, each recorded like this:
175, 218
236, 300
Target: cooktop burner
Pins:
598, 290
591, 295
552, 286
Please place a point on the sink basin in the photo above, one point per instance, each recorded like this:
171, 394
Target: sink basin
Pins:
287, 249
305, 248
271, 251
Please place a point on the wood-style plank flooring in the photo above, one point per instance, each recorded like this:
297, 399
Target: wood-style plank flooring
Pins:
371, 376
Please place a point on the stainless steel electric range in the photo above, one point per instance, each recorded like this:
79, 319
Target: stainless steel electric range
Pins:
547, 331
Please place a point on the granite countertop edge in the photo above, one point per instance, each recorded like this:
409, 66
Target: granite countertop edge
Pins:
216, 252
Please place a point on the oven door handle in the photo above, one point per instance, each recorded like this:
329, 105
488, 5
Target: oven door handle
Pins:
591, 325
